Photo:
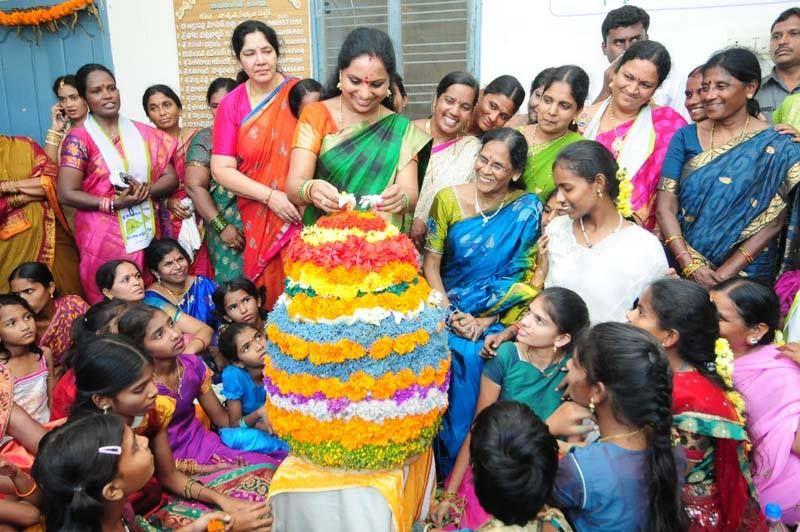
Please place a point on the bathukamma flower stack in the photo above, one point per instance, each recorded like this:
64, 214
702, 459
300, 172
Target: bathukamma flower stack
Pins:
358, 365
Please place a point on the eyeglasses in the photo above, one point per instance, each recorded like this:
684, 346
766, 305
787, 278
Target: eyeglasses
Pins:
494, 166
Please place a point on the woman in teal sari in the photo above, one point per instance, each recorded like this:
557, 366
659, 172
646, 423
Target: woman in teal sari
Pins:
723, 195
479, 253
354, 143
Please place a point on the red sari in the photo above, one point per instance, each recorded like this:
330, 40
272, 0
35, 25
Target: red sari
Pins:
718, 494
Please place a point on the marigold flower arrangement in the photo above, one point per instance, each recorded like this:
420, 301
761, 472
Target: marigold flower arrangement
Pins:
49, 16
723, 363
358, 365
625, 195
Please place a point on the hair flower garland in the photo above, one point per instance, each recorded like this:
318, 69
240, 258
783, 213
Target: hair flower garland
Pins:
724, 365
625, 194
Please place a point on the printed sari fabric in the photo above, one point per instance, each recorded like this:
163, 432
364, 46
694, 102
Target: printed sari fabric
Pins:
486, 267
261, 139
770, 386
646, 153
196, 301
226, 262
57, 335
451, 163
38, 231
730, 193
362, 159
717, 495
538, 174
97, 234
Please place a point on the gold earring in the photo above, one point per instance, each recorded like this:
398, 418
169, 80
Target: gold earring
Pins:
105, 409
388, 93
591, 405
339, 85
599, 193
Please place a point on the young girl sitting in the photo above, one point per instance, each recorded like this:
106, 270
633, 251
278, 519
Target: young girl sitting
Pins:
87, 469
530, 371
629, 479
184, 378
29, 364
243, 386
239, 301
116, 377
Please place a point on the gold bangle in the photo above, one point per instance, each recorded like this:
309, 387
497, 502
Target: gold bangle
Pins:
691, 268
746, 254
266, 201
670, 239
27, 493
16, 201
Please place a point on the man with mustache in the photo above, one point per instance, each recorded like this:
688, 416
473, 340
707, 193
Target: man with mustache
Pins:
784, 48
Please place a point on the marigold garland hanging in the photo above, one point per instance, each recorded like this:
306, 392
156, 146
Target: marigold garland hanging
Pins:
63, 14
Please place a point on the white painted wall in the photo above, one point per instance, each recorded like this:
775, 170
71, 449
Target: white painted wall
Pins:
144, 49
522, 37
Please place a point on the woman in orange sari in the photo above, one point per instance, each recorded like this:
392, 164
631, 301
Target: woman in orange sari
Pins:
252, 141
32, 226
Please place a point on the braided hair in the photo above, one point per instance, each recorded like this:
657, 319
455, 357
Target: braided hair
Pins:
633, 367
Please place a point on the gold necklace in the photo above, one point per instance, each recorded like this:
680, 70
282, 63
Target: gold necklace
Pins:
536, 149
619, 142
555, 362
618, 436
177, 389
175, 299
341, 114
741, 135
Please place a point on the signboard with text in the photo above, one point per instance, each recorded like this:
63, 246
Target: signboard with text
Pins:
204, 28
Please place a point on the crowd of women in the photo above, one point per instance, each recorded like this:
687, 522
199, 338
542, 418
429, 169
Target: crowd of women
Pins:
618, 288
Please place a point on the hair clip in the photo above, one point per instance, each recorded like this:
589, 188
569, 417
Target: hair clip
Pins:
110, 449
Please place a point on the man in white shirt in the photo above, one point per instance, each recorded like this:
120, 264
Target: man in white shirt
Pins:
621, 28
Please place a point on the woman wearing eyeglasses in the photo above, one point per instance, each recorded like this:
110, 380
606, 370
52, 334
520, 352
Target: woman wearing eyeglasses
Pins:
479, 253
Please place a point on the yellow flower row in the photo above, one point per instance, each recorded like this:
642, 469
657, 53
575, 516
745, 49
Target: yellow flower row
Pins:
346, 283
359, 385
317, 236
353, 433
344, 349
313, 308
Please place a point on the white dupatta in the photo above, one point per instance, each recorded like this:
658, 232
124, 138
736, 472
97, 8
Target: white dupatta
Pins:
639, 142
137, 223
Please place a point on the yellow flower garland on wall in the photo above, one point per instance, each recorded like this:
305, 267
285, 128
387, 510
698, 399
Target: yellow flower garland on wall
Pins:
49, 16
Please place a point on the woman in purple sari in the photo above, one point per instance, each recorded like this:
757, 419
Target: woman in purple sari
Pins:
184, 378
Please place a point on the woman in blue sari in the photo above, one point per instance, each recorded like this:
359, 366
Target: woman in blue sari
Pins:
726, 181
169, 264
479, 253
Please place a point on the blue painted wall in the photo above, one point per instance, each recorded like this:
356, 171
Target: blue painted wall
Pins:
28, 69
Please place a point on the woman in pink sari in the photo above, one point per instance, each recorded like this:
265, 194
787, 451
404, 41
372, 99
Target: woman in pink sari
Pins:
634, 130
770, 386
111, 171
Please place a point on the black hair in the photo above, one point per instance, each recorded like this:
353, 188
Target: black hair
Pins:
8, 300
517, 149
133, 322
458, 78
786, 15
217, 85
686, 308
239, 283
243, 30
397, 82
538, 81
106, 274
743, 65
649, 51
755, 303
94, 322
633, 367
60, 81
105, 366
696, 70
365, 41
160, 248
624, 17
82, 75
163, 89
227, 339
514, 461
508, 86
36, 272
71, 473
299, 91
568, 312
586, 159
572, 75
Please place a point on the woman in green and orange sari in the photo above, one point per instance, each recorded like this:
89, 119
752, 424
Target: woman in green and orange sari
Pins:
252, 139
354, 143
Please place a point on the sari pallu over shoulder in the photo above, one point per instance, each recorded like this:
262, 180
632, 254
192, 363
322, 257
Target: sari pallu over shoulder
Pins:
364, 159
264, 147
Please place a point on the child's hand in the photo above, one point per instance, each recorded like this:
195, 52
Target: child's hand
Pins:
210, 522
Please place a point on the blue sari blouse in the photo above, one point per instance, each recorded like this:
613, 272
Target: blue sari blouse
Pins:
195, 302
